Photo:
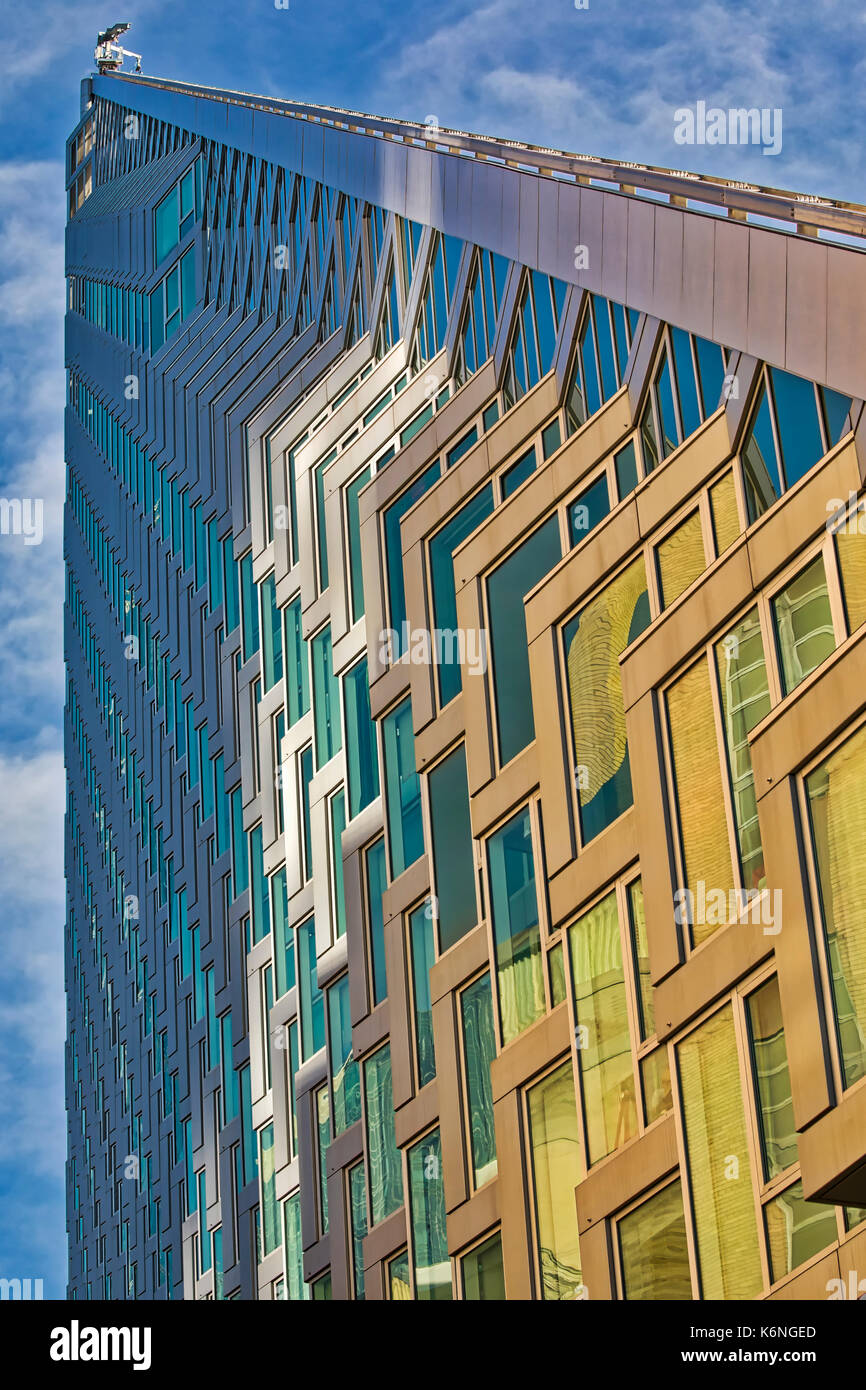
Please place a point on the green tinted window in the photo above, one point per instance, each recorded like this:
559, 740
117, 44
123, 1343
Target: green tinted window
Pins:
377, 883
423, 956
312, 1004
362, 761
804, 625
358, 1216
653, 1248
453, 857
403, 789
272, 635
326, 699
296, 1287
479, 1051
297, 664
483, 1273
353, 524
345, 1081
745, 696
506, 589
427, 1220
514, 910
443, 544
386, 1178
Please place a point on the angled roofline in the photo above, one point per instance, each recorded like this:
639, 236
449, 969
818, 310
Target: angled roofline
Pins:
807, 213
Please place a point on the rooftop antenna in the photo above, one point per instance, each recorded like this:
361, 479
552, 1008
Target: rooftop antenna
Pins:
109, 54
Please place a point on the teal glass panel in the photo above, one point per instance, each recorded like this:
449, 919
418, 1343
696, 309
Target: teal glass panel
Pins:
306, 761
345, 1080
403, 789
358, 1219
453, 857
760, 462
230, 585
166, 227
312, 1004
377, 882
353, 525
362, 760
249, 1148
423, 956
427, 1221
229, 1075
338, 825
386, 1178
272, 635
250, 607
394, 552
261, 911
519, 472
322, 1106
625, 463
687, 389
797, 423
711, 372
479, 1051
297, 664
293, 1061
296, 1288
604, 339
326, 699
321, 530
514, 912
836, 410
442, 546
665, 403
284, 944
240, 864
506, 588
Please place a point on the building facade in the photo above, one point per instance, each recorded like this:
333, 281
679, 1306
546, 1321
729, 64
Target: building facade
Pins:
465, 629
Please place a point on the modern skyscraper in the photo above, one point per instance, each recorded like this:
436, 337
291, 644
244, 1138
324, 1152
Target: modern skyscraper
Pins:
465, 625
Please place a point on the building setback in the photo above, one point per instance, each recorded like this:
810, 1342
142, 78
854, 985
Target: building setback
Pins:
466, 716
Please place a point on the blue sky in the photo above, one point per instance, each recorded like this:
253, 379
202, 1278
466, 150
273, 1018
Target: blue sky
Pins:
602, 80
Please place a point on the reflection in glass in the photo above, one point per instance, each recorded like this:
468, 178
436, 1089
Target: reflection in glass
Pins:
557, 1168
653, 1248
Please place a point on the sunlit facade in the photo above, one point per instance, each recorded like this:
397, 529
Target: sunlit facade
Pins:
466, 717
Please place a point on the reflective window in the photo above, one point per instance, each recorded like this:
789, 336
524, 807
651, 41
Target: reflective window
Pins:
362, 759
312, 1005
377, 882
443, 543
386, 1178
797, 1230
271, 1234
557, 1168
794, 423
297, 665
295, 1286
322, 1117
427, 1220
422, 951
479, 1052
591, 507
507, 586
745, 699
272, 636
514, 913
594, 642
358, 1225
453, 855
774, 1101
653, 1248
345, 1081
338, 825
394, 553
804, 625
402, 789
834, 794
326, 699
681, 559
353, 528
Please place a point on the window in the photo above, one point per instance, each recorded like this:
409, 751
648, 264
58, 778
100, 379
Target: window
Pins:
376, 881
338, 892
358, 1225
312, 1005
353, 529
603, 344
834, 794
326, 699
594, 642
601, 1009
394, 552
362, 762
305, 764
680, 558
402, 789
653, 1248
514, 913
479, 1052
453, 855
554, 1144
507, 586
432, 1267
422, 955
345, 1081
397, 1278
297, 665
271, 1234
530, 356
261, 909
322, 1121
794, 423
482, 1273
272, 636
296, 1288
591, 507
284, 945
717, 1150
804, 625
386, 1179
442, 546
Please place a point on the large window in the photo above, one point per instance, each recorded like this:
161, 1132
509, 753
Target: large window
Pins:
326, 699
386, 1178
594, 642
804, 625
834, 795
453, 857
362, 761
794, 423
507, 586
432, 1267
482, 1272
297, 664
376, 880
557, 1168
442, 546
312, 1005
345, 1081
402, 789
422, 955
516, 937
479, 1052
